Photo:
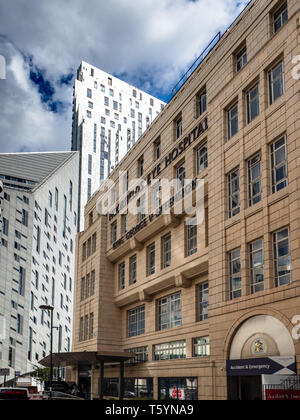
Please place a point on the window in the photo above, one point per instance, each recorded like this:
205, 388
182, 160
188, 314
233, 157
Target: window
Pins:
89, 248
92, 286
132, 270
38, 239
155, 197
70, 195
191, 236
122, 276
141, 203
109, 81
252, 99
241, 59
166, 251
178, 128
157, 149
140, 355
234, 193
20, 324
94, 243
282, 258
279, 165
24, 217
141, 166
50, 199
83, 289
91, 326
136, 321
111, 92
180, 177
65, 217
114, 232
169, 312
89, 189
124, 223
5, 224
56, 199
202, 302
201, 103
254, 179
89, 93
257, 266
89, 114
151, 102
81, 329
201, 156
232, 121
106, 101
280, 17
86, 327
22, 276
90, 164
276, 82
168, 351
235, 274
84, 256
179, 389
201, 347
151, 259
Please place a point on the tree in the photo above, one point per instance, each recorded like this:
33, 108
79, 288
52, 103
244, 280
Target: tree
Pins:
41, 374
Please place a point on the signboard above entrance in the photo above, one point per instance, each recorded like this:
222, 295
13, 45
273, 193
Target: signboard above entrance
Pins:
262, 366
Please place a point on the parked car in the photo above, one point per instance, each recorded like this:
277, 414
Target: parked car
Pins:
14, 394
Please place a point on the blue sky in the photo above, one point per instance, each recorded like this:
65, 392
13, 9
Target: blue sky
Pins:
150, 44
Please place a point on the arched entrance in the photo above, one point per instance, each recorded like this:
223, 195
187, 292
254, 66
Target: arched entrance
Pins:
261, 352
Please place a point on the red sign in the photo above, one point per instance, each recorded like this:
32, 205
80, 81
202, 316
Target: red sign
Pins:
281, 394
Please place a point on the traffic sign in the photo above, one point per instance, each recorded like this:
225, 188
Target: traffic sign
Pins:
4, 372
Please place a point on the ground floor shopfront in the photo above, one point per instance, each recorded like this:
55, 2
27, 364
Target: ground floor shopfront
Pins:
253, 355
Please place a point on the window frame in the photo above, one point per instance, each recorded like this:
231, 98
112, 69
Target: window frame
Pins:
133, 269
168, 308
122, 275
274, 184
230, 118
200, 167
256, 286
166, 259
250, 101
202, 311
232, 194
272, 81
241, 59
151, 251
138, 315
205, 345
235, 293
276, 241
251, 164
279, 14
191, 237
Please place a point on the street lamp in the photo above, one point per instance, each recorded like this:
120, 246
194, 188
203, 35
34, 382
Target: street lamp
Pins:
51, 309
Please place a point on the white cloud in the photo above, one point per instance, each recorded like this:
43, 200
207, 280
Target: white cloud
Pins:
156, 39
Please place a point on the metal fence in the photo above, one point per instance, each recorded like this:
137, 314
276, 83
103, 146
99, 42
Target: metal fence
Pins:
288, 390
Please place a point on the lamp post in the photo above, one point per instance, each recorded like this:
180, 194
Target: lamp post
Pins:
50, 308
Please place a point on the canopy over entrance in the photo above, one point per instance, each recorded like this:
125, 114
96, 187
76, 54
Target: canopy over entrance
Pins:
75, 358
85, 357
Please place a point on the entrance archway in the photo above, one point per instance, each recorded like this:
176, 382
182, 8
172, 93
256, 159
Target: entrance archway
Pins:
260, 348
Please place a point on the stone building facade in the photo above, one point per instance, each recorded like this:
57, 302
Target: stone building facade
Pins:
209, 310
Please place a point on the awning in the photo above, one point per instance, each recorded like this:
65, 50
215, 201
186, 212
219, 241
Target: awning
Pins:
84, 357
